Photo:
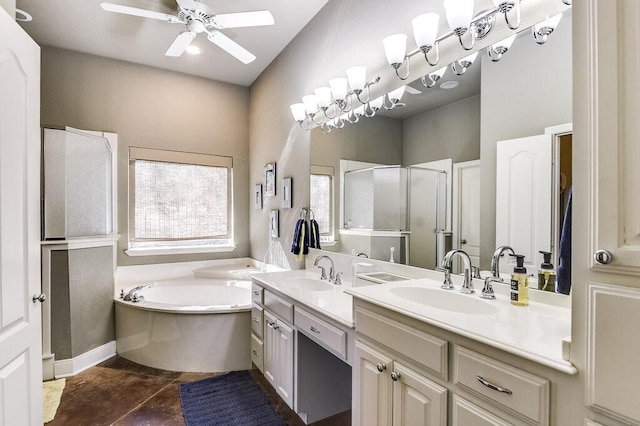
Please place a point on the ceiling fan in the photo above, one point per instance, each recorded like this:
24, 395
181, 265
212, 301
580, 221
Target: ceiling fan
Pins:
199, 18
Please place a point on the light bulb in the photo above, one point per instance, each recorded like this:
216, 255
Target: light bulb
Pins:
357, 77
310, 103
323, 95
425, 29
338, 88
396, 95
298, 112
459, 13
395, 47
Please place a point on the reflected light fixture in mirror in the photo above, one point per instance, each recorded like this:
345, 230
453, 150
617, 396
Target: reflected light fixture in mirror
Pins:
496, 50
430, 79
542, 30
460, 66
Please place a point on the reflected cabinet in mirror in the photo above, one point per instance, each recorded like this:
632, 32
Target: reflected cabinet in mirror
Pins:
476, 161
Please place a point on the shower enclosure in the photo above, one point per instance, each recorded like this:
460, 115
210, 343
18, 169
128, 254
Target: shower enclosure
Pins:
394, 206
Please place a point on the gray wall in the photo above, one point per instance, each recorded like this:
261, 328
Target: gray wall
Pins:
82, 314
151, 108
528, 90
452, 131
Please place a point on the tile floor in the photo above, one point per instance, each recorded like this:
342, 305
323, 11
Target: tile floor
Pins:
120, 392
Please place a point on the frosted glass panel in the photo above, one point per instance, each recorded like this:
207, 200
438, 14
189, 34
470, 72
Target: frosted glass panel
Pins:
77, 185
376, 198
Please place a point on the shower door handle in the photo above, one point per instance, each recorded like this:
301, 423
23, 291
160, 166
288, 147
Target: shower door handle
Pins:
39, 298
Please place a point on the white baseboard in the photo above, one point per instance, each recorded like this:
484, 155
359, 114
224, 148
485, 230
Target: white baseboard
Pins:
73, 366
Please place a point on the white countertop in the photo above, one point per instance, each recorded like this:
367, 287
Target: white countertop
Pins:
333, 303
534, 332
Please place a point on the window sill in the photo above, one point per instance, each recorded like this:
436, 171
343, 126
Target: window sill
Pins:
328, 243
173, 250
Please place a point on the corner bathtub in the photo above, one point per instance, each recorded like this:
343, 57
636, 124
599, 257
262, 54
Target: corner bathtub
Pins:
188, 324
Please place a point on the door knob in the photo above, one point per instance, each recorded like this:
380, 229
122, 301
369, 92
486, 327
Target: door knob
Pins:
603, 257
463, 242
39, 298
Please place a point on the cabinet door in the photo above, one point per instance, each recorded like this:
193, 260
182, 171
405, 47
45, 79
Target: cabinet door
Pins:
416, 399
372, 387
270, 351
285, 361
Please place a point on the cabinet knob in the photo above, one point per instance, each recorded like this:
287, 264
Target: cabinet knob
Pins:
463, 241
381, 367
39, 298
603, 257
395, 376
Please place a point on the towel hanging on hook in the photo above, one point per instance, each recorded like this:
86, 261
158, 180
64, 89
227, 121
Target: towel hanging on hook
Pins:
300, 244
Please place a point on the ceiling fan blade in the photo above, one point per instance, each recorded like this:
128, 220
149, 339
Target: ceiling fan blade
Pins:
187, 4
127, 10
180, 43
233, 48
244, 19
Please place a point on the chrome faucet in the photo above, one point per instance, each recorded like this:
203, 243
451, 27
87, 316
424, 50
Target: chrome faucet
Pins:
447, 262
323, 274
487, 290
132, 295
495, 260
446, 283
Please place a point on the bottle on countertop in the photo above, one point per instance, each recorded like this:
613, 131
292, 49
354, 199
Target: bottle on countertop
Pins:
392, 260
519, 282
546, 274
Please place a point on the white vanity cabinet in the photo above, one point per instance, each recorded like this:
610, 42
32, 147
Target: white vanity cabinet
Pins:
391, 393
409, 372
278, 356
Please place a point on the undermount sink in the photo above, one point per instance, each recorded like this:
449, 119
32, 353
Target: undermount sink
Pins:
445, 300
309, 284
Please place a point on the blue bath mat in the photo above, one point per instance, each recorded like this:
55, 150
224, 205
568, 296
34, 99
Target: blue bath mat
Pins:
234, 399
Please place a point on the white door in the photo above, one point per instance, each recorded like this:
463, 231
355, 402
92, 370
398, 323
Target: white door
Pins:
466, 209
523, 198
20, 326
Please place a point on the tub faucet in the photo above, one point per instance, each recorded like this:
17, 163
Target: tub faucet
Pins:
447, 262
323, 274
132, 295
495, 260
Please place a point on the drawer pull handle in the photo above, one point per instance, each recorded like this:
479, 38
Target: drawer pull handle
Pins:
315, 330
269, 324
255, 319
492, 386
381, 367
255, 293
255, 353
395, 376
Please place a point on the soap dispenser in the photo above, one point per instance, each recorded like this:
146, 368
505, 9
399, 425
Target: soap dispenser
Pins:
546, 274
519, 283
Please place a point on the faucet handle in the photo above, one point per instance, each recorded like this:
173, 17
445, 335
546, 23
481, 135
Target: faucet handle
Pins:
476, 272
446, 284
337, 280
487, 290
323, 273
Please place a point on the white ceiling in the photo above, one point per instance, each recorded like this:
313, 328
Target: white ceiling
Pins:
83, 26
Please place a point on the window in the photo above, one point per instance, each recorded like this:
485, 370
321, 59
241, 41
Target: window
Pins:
179, 201
321, 196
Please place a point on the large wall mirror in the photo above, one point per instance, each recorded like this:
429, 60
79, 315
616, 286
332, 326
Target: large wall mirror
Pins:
466, 156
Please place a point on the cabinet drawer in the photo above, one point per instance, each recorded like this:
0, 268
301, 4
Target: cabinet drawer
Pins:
278, 306
322, 331
517, 392
256, 352
256, 293
256, 321
466, 413
423, 348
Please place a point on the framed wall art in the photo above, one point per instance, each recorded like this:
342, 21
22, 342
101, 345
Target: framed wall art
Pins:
274, 224
270, 180
257, 197
287, 195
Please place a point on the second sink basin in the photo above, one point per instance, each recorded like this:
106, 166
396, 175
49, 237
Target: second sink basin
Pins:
445, 300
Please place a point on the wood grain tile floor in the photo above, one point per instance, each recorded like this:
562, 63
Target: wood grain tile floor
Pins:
120, 392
